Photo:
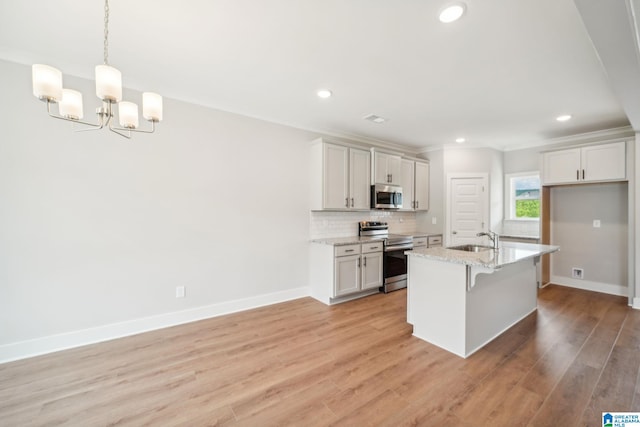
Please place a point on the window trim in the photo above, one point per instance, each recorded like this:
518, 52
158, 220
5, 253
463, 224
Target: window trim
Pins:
509, 204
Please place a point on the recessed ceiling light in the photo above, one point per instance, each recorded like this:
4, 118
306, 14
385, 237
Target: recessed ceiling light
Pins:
460, 140
324, 93
564, 118
452, 12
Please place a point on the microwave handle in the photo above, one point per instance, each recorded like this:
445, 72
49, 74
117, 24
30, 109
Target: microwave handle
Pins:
397, 198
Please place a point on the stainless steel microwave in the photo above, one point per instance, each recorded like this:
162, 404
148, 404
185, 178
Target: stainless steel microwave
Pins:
385, 196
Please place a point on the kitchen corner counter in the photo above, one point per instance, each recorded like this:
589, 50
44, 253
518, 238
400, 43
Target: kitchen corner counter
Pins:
508, 253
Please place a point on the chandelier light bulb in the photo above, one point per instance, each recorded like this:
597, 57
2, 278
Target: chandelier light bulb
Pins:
71, 104
108, 83
128, 112
47, 82
152, 106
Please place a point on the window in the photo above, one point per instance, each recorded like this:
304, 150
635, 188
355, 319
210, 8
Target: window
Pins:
522, 201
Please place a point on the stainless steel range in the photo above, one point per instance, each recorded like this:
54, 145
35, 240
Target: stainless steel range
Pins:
395, 261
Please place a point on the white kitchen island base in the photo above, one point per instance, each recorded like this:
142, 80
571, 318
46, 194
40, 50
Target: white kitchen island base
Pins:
460, 306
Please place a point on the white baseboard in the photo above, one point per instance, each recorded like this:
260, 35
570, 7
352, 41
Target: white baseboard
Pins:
587, 285
50, 344
636, 303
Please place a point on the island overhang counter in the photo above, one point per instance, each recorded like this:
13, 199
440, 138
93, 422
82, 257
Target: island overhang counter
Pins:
460, 300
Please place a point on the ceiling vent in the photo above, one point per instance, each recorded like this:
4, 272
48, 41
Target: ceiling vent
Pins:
375, 119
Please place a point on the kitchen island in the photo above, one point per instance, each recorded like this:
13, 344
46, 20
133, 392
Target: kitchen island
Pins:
462, 300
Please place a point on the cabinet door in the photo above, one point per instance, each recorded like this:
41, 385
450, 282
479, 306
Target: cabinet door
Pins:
394, 168
407, 181
359, 179
604, 162
422, 186
387, 169
335, 175
371, 270
380, 168
347, 271
561, 167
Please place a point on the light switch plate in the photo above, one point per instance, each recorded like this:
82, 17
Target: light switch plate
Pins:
434, 220
596, 223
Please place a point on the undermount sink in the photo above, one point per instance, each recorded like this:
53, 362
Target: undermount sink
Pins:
471, 248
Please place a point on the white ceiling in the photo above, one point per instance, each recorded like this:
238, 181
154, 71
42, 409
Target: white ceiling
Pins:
498, 77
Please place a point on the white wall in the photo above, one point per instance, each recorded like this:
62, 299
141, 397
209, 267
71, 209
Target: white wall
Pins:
96, 229
601, 252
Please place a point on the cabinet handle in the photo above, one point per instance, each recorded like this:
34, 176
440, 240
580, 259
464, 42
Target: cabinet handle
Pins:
346, 201
348, 250
373, 247
417, 203
390, 177
352, 202
582, 173
365, 261
358, 262
577, 175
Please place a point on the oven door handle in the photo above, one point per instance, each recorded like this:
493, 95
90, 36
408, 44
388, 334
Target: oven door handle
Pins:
397, 248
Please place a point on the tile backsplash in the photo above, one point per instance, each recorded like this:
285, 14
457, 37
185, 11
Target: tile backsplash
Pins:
521, 228
344, 224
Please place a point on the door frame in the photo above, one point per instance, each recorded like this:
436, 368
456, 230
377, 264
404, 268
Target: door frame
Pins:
457, 175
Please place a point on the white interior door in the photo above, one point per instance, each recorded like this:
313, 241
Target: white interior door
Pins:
468, 203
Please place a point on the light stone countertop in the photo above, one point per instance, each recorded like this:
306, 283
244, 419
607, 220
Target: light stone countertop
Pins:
352, 240
508, 253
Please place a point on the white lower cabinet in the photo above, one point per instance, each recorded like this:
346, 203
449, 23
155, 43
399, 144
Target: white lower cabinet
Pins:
371, 266
355, 273
347, 271
340, 272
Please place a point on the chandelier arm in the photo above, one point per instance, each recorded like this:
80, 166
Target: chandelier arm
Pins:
152, 130
123, 134
94, 126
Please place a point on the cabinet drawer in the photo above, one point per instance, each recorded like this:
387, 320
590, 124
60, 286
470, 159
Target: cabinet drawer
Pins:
371, 247
347, 250
435, 241
419, 241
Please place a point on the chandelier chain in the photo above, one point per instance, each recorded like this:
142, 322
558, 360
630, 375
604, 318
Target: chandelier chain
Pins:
106, 32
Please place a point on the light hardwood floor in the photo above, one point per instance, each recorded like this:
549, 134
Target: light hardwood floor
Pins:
355, 364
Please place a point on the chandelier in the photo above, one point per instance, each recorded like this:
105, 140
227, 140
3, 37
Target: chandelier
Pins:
47, 86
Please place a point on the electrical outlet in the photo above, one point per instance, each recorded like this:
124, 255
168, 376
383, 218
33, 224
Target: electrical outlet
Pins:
596, 223
577, 273
180, 292
434, 220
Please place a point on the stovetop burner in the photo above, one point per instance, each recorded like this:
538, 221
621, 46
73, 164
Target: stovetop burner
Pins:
381, 229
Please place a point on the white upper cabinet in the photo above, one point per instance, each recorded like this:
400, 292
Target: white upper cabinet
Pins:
561, 166
604, 162
407, 182
422, 187
415, 185
387, 168
359, 178
594, 163
335, 172
340, 177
